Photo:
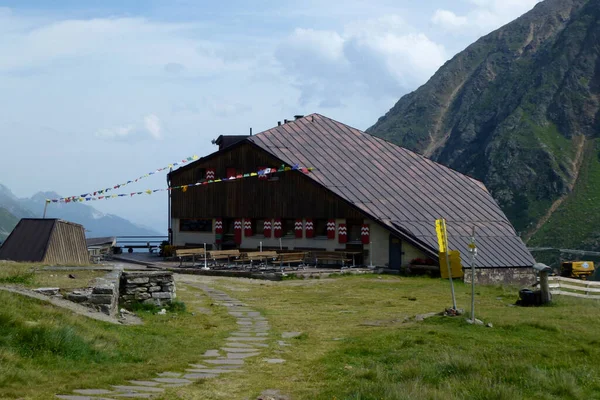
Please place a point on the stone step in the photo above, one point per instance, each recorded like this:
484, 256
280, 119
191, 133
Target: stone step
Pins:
123, 388
200, 375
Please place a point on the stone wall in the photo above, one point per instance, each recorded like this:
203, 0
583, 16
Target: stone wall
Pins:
149, 287
102, 295
501, 276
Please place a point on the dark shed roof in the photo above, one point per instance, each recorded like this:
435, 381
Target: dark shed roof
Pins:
404, 191
45, 240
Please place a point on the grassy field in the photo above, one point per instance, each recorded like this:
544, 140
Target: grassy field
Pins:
358, 341
46, 350
355, 344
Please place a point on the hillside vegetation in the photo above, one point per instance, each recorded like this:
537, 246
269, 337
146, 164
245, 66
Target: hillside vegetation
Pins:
519, 110
7, 223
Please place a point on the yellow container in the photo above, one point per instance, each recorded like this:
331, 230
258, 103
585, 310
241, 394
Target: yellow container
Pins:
455, 264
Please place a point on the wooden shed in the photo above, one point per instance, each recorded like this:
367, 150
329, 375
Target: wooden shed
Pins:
51, 241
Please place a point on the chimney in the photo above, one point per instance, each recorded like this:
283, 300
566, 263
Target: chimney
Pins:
297, 117
285, 121
278, 123
250, 131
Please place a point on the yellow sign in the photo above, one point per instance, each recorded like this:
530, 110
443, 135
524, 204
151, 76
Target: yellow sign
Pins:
455, 264
440, 229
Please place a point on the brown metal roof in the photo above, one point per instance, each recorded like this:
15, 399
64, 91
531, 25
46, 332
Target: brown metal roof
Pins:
45, 240
402, 190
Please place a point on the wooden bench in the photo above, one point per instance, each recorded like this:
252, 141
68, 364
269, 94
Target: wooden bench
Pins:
215, 255
187, 253
337, 257
261, 256
290, 258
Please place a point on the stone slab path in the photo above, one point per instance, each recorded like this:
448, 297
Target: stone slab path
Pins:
247, 342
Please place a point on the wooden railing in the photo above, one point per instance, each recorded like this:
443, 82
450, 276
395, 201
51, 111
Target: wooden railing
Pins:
574, 287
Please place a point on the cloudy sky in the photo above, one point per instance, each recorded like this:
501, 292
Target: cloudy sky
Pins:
94, 93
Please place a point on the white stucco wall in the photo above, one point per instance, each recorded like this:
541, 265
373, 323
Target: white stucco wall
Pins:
378, 248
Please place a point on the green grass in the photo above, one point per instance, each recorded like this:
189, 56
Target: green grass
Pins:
45, 350
32, 275
576, 223
548, 352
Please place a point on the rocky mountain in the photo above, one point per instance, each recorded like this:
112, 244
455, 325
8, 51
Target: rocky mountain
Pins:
96, 223
519, 110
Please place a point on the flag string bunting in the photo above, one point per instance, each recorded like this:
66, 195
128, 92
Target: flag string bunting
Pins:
183, 188
115, 187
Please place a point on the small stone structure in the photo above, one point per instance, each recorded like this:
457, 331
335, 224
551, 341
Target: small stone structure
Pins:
102, 295
149, 287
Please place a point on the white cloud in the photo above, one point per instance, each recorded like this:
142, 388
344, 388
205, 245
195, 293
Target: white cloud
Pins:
152, 124
375, 58
484, 15
448, 20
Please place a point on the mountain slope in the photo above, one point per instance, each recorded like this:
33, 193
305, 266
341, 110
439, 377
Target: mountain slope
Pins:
7, 223
519, 110
96, 223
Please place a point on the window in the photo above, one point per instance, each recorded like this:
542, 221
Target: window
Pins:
288, 227
320, 227
258, 226
200, 174
195, 225
354, 227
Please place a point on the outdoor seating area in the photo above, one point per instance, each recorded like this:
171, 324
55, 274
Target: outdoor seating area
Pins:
263, 260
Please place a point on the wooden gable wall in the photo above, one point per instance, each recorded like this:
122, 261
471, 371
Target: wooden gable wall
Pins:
293, 195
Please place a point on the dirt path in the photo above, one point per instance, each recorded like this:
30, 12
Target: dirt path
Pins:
74, 307
576, 166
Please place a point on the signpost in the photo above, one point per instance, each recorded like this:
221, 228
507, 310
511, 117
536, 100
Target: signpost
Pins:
440, 228
473, 252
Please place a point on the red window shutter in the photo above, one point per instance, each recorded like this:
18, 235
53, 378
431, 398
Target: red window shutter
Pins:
210, 174
331, 229
267, 228
237, 231
231, 173
248, 227
310, 229
278, 232
298, 229
365, 234
342, 233
218, 230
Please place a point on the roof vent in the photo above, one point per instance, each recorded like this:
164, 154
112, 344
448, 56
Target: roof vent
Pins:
278, 123
297, 117
285, 121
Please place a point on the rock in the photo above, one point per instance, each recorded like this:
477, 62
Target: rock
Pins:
289, 335
489, 325
477, 321
162, 312
105, 289
142, 296
101, 298
154, 289
48, 291
422, 317
162, 295
138, 280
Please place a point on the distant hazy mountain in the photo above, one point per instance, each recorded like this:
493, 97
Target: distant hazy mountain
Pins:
7, 222
95, 222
